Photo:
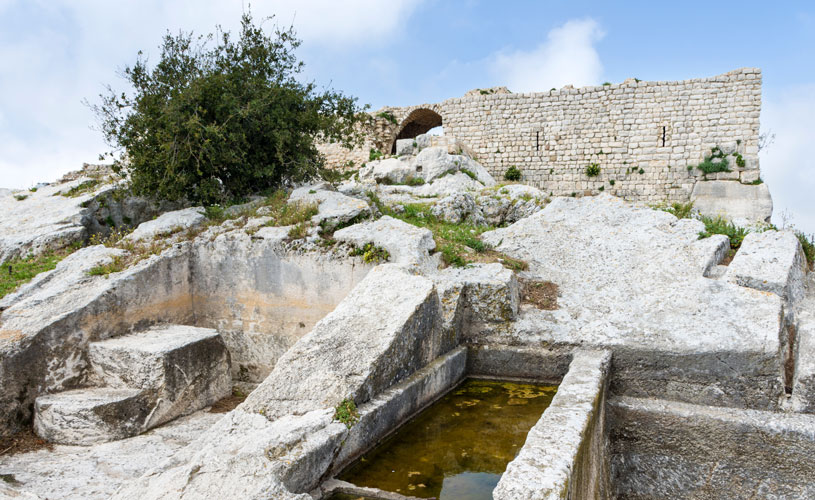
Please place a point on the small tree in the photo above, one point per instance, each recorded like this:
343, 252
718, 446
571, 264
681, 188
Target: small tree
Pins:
214, 123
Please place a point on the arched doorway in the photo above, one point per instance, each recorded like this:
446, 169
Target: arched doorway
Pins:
418, 122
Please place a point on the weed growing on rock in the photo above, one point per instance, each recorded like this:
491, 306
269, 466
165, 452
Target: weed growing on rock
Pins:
346, 413
20, 197
371, 254
512, 174
469, 173
116, 265
593, 170
374, 154
808, 244
299, 231
414, 181
680, 210
388, 116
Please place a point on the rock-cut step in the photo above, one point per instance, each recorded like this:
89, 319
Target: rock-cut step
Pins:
142, 380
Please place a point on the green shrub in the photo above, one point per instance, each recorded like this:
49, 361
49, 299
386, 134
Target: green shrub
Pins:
346, 413
415, 181
221, 117
20, 197
512, 174
715, 162
612, 182
593, 170
720, 225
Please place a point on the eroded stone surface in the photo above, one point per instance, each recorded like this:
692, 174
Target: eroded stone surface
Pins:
632, 280
168, 224
334, 208
34, 222
733, 200
96, 472
772, 261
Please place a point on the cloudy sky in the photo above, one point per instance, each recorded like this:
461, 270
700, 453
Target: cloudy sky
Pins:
55, 53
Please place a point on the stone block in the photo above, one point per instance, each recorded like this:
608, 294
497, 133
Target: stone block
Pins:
733, 200
181, 368
771, 261
88, 416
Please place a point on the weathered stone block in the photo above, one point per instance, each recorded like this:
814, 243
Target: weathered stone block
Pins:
88, 416
182, 368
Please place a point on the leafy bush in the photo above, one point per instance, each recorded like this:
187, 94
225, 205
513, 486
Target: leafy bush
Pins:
213, 123
415, 181
512, 174
593, 170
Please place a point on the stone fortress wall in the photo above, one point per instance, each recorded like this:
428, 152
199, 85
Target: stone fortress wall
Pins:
643, 135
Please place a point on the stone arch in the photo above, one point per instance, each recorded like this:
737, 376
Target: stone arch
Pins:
417, 122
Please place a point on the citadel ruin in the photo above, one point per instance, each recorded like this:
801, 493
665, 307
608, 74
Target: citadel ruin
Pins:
666, 361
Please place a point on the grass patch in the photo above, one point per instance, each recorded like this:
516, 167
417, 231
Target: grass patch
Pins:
117, 264
82, 188
374, 154
415, 181
20, 197
16, 272
458, 244
346, 413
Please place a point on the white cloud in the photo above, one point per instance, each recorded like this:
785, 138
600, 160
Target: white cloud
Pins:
566, 57
788, 165
56, 53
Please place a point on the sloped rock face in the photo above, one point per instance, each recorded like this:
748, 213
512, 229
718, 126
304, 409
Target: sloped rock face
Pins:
34, 222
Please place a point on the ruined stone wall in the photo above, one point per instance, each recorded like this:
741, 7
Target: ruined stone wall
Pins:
642, 135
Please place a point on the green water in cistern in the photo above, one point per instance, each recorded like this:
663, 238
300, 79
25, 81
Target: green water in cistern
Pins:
459, 447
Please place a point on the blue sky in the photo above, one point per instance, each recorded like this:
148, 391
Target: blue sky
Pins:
54, 53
